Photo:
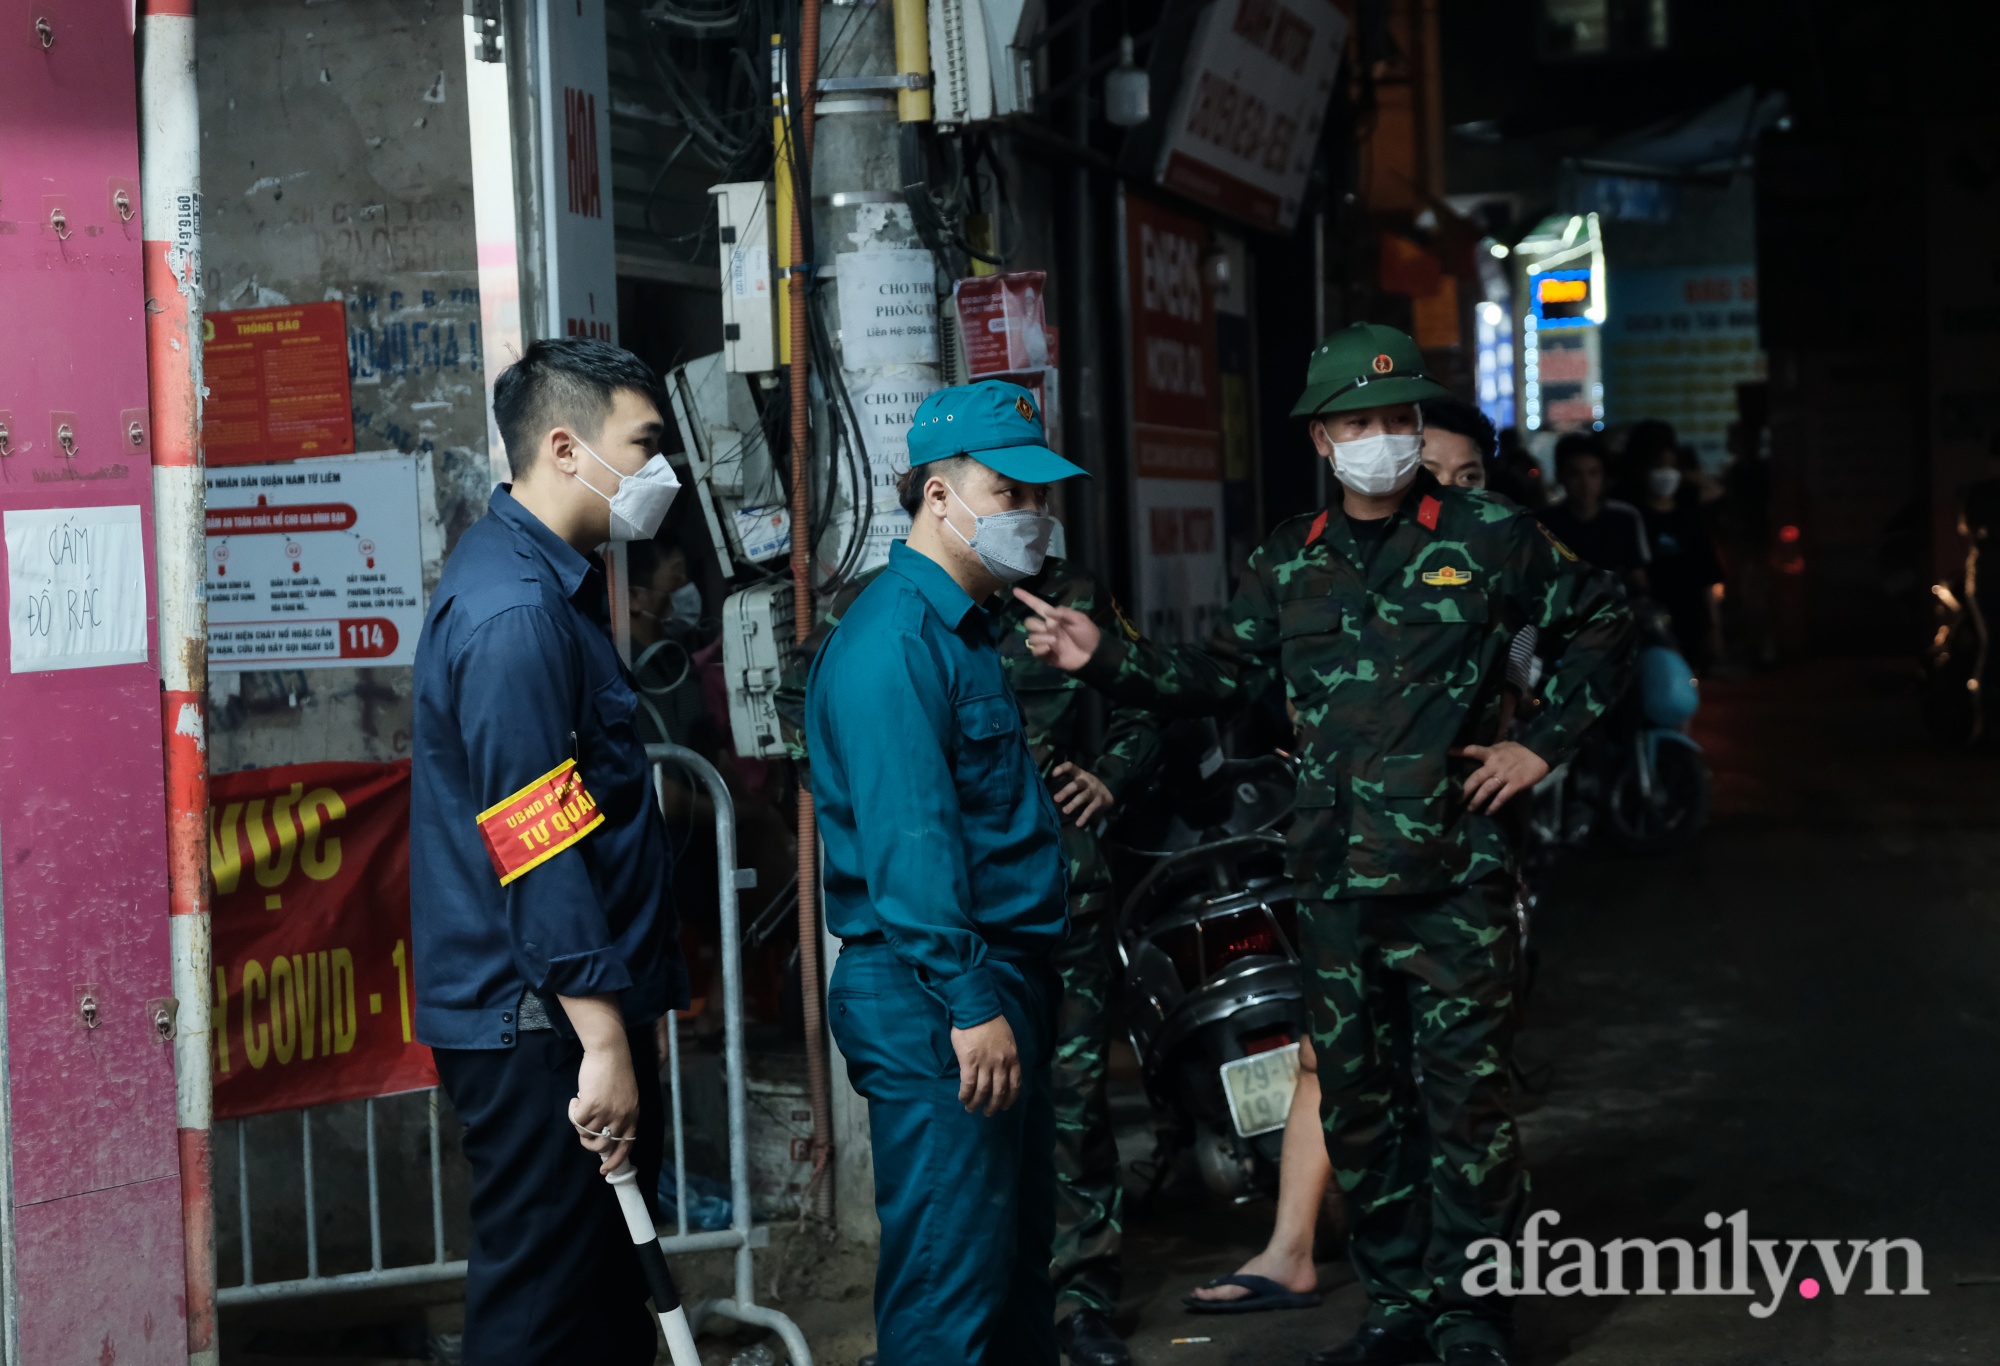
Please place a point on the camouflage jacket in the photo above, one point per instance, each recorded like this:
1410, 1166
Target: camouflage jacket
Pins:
1050, 702
1388, 668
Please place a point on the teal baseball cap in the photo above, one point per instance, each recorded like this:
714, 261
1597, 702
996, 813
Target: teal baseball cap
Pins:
995, 423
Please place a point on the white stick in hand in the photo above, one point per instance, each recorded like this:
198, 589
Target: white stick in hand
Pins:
659, 1281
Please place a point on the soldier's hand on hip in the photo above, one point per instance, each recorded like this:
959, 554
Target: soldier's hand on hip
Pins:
1061, 636
989, 1066
1084, 797
1504, 769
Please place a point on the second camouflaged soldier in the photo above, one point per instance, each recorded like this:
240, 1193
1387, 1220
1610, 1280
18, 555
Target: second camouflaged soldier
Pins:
1086, 1270
1387, 620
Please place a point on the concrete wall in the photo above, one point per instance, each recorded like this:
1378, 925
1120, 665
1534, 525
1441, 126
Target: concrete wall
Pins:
336, 165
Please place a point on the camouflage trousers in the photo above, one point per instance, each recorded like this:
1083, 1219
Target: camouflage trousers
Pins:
1089, 1195
1412, 1003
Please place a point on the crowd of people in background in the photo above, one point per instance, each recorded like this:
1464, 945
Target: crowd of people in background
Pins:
1635, 502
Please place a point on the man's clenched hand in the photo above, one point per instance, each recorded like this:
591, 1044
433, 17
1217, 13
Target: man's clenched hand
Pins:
989, 1066
606, 1108
1061, 636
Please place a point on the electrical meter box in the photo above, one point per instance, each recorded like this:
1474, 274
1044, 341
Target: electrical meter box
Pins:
757, 648
749, 302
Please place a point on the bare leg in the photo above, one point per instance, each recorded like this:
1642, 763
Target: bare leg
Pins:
1304, 1171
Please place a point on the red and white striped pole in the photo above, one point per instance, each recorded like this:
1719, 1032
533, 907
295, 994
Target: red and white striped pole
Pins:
170, 195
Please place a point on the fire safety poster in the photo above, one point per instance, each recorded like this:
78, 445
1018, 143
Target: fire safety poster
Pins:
315, 562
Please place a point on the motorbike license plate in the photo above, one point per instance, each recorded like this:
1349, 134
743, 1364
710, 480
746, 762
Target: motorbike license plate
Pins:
1260, 1089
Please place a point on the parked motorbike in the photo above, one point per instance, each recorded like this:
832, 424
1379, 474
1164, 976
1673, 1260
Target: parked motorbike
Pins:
1209, 941
1638, 775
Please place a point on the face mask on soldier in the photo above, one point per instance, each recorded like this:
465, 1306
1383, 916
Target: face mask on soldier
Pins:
1378, 465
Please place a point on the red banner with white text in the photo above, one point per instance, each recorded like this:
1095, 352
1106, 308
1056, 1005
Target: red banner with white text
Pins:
313, 987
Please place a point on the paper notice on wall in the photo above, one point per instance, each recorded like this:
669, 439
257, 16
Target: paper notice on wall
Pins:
1000, 318
888, 308
315, 562
885, 406
763, 532
1182, 580
76, 588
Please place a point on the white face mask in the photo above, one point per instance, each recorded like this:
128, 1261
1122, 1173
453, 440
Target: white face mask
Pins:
687, 603
1663, 483
1012, 545
1377, 465
642, 499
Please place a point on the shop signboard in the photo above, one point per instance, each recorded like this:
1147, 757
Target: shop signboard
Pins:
1175, 426
1679, 343
1245, 123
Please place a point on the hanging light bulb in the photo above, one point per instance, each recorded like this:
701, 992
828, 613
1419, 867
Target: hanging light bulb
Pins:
1128, 90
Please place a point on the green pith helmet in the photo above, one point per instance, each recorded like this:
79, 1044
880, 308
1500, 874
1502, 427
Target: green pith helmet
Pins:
1364, 366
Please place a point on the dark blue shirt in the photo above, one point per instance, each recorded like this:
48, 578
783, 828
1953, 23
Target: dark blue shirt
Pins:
516, 672
939, 835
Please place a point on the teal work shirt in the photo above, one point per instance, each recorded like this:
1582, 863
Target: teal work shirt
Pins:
940, 837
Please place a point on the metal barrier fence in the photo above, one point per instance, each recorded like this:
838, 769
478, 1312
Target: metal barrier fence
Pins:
740, 1235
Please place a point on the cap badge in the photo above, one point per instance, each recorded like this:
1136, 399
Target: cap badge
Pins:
1383, 365
1451, 576
1025, 408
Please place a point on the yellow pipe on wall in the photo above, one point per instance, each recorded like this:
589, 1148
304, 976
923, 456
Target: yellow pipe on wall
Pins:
913, 58
781, 199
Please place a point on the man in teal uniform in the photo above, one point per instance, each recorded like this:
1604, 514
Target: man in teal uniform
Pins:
944, 879
1089, 785
1387, 620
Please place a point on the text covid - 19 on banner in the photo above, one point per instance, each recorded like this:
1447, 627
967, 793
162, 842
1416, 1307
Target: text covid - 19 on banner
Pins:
313, 983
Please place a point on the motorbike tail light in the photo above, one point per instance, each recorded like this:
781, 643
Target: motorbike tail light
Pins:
1266, 1044
1247, 934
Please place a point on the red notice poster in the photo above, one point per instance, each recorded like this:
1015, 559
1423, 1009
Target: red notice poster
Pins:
277, 384
313, 987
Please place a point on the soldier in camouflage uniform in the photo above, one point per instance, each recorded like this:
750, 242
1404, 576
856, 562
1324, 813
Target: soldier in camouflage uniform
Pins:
1387, 620
1090, 1195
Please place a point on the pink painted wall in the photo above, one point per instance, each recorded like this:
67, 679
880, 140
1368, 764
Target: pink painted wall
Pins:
95, 1190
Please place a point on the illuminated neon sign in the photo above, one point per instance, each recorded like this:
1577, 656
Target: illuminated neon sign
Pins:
1562, 298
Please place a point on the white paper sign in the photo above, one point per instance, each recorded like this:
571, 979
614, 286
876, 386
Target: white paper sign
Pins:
763, 532
888, 308
885, 406
314, 562
76, 588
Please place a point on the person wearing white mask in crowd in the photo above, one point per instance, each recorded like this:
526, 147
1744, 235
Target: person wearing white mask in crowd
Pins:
1386, 619
1684, 570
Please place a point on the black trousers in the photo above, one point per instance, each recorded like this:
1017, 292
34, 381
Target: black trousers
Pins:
553, 1278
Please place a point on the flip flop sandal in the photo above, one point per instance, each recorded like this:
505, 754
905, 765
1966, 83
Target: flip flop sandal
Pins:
1265, 1293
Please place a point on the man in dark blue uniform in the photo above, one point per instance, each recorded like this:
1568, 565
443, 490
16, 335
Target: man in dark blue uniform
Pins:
945, 882
545, 940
